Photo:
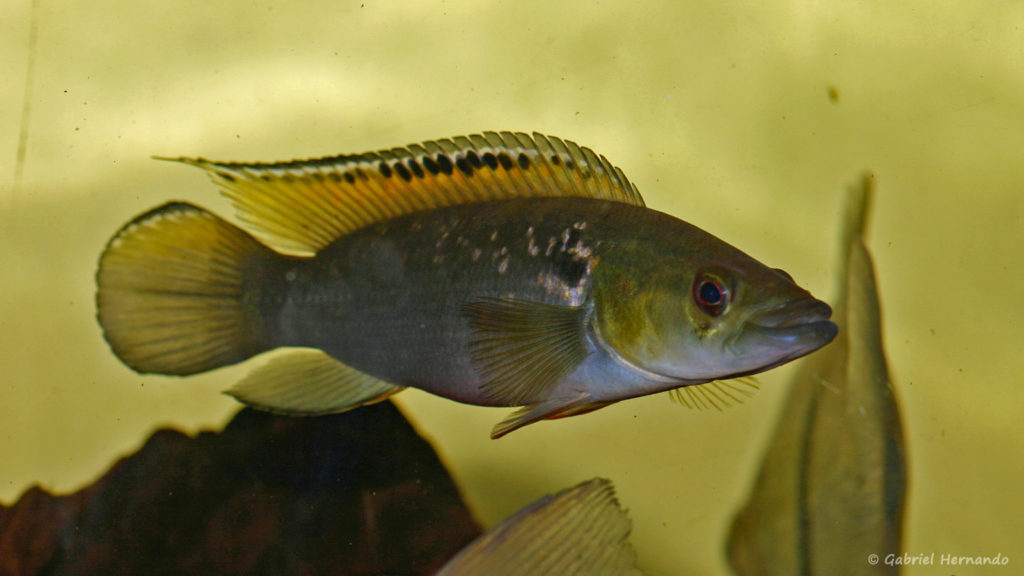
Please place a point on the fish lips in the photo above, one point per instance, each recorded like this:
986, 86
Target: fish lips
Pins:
789, 332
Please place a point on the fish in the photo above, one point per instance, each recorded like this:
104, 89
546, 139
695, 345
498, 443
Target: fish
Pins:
581, 530
497, 269
830, 494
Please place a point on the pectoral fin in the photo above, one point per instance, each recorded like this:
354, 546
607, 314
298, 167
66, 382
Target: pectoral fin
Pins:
547, 410
309, 383
523, 349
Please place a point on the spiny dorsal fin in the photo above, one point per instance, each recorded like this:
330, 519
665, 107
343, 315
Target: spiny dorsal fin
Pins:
579, 531
302, 206
309, 383
522, 348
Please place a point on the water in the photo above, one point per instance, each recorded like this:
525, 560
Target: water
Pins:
746, 120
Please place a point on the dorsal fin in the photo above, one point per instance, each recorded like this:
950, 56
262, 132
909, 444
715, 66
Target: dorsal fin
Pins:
302, 206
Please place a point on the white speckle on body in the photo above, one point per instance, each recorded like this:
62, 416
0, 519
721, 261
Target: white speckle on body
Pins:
573, 293
580, 252
441, 240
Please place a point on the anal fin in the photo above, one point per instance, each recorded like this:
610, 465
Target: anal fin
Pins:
308, 382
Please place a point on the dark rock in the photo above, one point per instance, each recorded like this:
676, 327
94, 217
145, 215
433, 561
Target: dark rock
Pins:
358, 493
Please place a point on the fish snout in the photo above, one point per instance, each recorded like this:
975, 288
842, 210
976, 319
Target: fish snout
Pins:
798, 328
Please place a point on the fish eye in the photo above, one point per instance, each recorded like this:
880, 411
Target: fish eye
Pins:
711, 294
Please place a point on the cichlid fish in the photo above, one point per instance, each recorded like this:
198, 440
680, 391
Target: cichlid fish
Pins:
499, 269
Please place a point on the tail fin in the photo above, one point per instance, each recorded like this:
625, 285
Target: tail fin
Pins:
172, 291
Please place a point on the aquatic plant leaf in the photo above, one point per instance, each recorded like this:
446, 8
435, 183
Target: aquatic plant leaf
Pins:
831, 488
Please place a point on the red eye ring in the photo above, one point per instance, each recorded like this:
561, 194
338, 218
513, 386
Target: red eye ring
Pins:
710, 294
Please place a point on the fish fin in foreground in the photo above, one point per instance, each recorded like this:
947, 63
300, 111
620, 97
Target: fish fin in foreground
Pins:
579, 531
302, 206
547, 410
309, 382
170, 294
523, 349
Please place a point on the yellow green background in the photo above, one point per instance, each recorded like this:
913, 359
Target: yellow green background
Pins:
745, 118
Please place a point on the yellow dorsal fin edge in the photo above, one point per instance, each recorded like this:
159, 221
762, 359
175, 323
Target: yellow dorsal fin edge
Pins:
302, 206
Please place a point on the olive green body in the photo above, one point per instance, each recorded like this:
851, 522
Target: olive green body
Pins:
390, 299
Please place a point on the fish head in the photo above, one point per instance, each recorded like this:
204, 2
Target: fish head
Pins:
721, 318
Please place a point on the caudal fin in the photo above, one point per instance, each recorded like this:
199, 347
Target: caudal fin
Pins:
174, 295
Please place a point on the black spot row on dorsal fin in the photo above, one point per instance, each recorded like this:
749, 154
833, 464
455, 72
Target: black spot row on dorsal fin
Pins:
301, 206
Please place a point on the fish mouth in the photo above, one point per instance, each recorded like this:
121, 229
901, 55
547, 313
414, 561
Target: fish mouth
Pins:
806, 312
792, 331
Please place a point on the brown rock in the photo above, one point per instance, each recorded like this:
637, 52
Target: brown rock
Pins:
356, 494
